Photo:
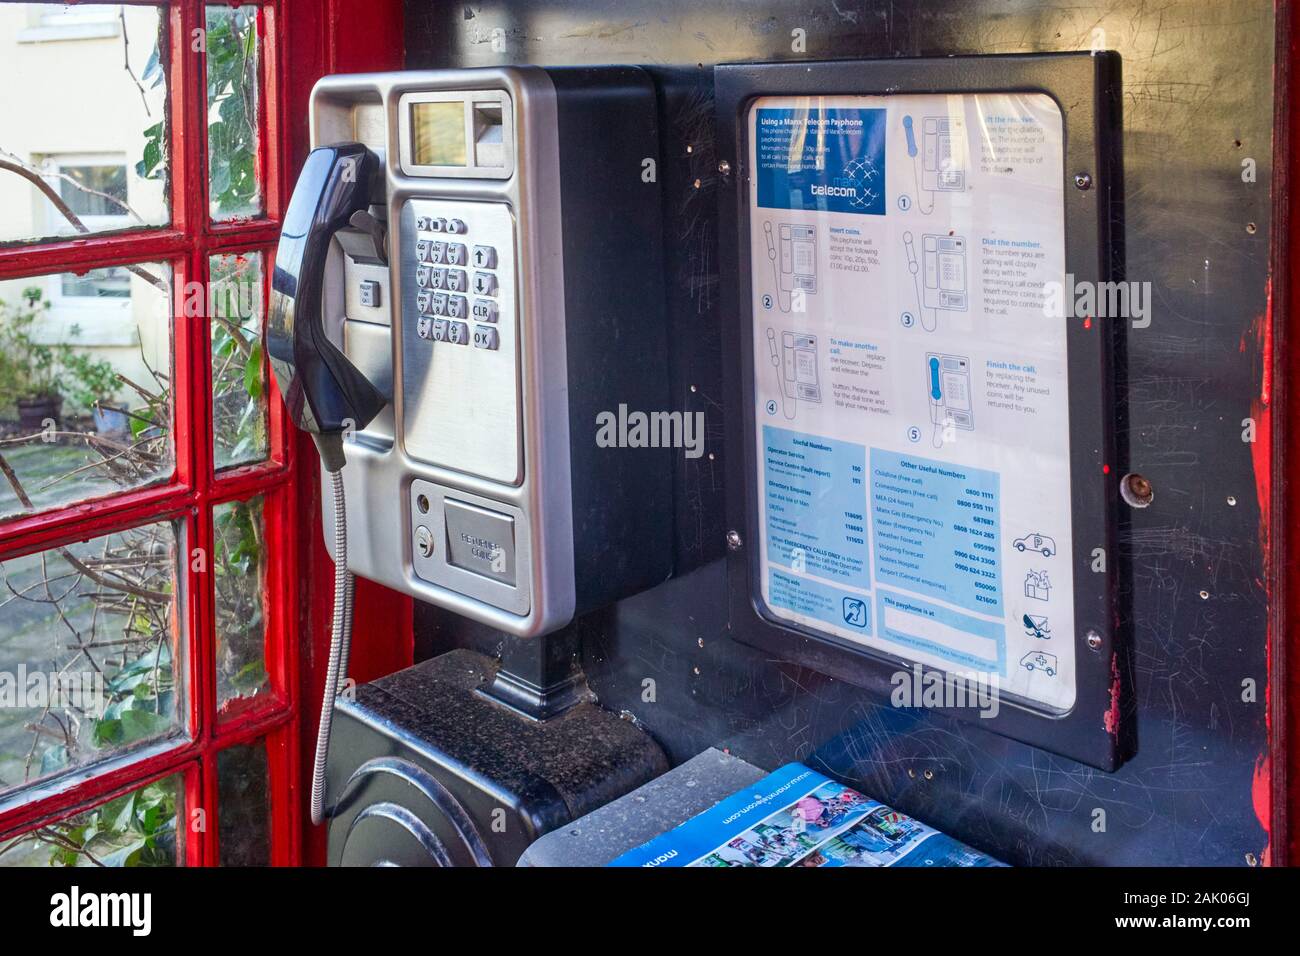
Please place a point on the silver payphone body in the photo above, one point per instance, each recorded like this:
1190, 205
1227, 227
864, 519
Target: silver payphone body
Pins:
504, 288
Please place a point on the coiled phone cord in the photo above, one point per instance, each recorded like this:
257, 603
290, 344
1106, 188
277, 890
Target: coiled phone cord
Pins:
340, 646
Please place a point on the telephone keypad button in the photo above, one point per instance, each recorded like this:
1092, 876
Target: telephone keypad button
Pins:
437, 225
456, 254
485, 310
485, 283
424, 327
457, 333
485, 337
440, 330
439, 303
456, 225
485, 257
422, 250
438, 278
456, 306
457, 281
437, 252
424, 302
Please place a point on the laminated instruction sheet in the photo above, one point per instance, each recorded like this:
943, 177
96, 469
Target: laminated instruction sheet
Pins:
910, 380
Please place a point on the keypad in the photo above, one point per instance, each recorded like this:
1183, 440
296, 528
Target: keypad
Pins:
448, 272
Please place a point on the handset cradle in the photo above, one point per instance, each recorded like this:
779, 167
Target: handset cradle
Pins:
325, 393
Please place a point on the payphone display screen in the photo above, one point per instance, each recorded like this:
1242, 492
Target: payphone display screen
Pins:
910, 380
438, 133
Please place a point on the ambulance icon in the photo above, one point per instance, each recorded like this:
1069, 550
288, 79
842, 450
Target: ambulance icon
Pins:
1038, 661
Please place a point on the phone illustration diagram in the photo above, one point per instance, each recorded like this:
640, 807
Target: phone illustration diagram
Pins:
938, 163
949, 391
938, 275
795, 362
793, 254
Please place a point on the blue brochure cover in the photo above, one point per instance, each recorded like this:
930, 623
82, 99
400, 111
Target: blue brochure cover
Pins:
798, 817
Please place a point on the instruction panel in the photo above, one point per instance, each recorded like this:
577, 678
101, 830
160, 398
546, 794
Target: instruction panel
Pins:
912, 411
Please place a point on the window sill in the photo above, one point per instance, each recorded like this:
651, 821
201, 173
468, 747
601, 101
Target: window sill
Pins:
70, 31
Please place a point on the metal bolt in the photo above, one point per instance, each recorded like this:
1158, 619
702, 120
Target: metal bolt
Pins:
724, 168
734, 542
1094, 640
1136, 490
424, 540
1083, 181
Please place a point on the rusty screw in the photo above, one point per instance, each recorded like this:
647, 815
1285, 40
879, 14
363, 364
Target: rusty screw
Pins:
1137, 490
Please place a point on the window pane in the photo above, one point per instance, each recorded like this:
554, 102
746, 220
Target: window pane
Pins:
240, 565
234, 180
243, 806
94, 190
85, 386
87, 153
136, 829
90, 653
239, 410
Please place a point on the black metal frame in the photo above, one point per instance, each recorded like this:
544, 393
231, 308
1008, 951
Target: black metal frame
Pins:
1086, 87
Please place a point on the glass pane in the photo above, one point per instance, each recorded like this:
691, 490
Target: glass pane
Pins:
241, 583
136, 829
239, 408
91, 655
85, 386
83, 93
243, 806
234, 180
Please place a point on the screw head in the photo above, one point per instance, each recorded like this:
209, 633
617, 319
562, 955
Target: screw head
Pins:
1094, 640
724, 168
734, 542
1083, 181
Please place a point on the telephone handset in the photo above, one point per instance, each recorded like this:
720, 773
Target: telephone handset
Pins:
325, 393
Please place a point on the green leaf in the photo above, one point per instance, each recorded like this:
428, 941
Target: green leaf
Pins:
253, 372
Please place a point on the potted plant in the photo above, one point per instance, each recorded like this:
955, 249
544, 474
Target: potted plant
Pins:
35, 369
93, 386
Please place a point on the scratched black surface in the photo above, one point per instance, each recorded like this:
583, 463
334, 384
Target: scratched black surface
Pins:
1198, 101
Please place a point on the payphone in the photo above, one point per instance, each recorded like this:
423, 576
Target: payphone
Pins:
470, 273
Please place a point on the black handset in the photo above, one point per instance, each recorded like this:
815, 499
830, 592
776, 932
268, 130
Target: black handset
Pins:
325, 393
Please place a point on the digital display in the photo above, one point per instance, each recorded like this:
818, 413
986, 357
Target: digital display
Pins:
438, 134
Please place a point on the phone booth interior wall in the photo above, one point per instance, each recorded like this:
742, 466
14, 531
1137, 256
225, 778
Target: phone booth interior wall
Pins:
1192, 416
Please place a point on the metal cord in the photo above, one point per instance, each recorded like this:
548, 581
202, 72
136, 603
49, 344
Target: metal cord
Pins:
340, 646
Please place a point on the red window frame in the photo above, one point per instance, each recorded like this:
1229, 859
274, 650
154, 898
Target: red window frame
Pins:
195, 488
301, 40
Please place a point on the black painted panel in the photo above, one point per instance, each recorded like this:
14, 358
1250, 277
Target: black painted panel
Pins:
1198, 101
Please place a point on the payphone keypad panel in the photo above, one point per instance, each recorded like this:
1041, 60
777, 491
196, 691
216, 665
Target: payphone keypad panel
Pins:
461, 406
